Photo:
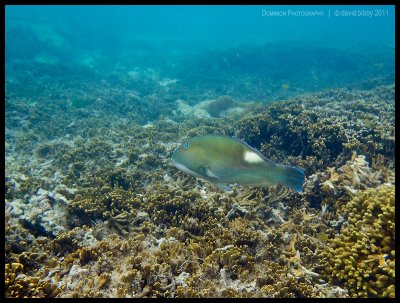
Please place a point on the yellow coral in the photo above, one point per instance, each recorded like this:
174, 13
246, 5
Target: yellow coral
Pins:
362, 257
18, 284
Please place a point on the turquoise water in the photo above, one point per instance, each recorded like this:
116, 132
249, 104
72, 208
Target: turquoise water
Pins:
209, 27
286, 42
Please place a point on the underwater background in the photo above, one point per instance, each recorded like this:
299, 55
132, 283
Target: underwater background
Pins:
97, 98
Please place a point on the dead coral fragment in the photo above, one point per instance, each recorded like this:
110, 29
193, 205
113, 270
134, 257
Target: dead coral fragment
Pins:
234, 260
104, 278
120, 222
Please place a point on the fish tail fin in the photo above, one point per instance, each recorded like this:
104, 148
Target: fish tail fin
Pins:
292, 177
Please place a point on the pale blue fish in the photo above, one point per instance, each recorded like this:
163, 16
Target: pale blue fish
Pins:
221, 160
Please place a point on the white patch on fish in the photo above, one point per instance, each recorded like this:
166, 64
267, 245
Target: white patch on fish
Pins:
252, 157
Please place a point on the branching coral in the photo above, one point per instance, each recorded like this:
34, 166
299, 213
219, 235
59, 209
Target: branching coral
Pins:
232, 259
117, 205
172, 207
316, 130
362, 257
19, 285
137, 227
338, 185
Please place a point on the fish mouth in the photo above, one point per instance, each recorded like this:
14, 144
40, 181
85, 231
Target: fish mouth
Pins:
173, 158
174, 153
174, 161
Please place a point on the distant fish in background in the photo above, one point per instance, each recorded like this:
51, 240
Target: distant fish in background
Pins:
221, 160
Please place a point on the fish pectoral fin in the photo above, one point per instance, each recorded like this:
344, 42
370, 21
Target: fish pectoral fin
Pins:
210, 174
223, 186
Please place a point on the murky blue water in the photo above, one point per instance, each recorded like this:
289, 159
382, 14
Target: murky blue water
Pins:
303, 48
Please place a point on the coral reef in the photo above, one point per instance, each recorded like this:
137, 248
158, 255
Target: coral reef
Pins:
317, 131
95, 208
216, 107
362, 257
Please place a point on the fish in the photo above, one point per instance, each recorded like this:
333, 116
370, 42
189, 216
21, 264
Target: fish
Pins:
223, 160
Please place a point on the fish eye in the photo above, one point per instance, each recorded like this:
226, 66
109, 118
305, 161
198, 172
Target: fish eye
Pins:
185, 145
